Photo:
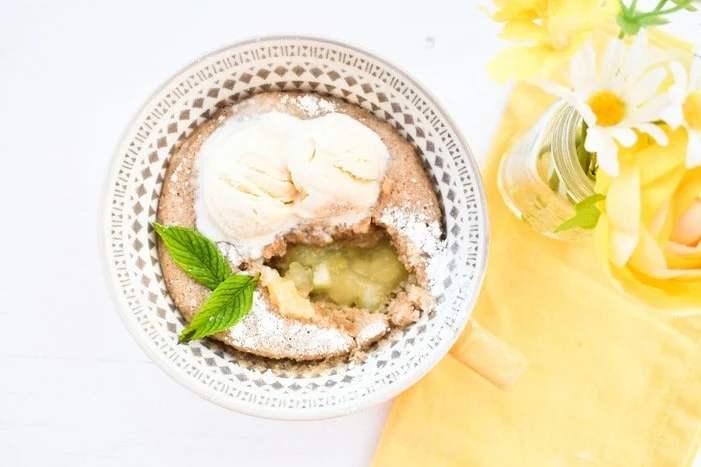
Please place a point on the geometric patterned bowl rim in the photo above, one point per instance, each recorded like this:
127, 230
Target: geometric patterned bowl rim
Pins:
377, 397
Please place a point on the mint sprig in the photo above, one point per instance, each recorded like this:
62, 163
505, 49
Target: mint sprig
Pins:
198, 256
586, 215
225, 307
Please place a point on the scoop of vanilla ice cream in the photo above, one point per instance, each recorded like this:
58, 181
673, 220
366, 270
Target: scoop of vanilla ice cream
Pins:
337, 164
257, 178
244, 184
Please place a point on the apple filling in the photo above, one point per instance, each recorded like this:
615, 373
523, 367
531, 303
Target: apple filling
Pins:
349, 276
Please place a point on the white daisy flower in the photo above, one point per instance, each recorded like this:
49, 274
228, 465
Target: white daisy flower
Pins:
617, 97
685, 107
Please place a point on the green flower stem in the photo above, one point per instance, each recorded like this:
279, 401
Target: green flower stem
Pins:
631, 21
678, 7
660, 5
592, 168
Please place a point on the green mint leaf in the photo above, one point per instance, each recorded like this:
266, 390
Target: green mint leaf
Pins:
225, 307
196, 255
586, 215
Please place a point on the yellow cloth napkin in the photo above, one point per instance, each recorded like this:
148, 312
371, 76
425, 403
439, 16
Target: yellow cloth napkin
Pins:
608, 383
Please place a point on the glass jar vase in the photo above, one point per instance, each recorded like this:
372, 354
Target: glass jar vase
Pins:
543, 176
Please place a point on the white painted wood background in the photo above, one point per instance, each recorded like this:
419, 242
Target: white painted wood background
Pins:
75, 390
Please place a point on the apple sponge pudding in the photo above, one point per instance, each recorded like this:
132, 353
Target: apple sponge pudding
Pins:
328, 207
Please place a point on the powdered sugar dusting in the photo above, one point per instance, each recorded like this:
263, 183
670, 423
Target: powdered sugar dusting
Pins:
231, 254
179, 172
422, 233
372, 332
312, 106
264, 332
423, 239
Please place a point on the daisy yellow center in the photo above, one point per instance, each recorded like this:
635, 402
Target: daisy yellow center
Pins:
608, 107
692, 110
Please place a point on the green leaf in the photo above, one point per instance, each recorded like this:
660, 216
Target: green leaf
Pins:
196, 255
591, 201
586, 214
650, 21
688, 4
225, 307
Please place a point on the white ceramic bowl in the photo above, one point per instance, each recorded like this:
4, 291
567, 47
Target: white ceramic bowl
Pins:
133, 185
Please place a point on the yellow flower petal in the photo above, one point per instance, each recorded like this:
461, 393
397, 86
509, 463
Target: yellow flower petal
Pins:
515, 9
681, 258
523, 31
623, 210
659, 293
663, 226
655, 160
649, 259
687, 192
603, 182
661, 170
656, 196
557, 58
519, 62
684, 256
579, 15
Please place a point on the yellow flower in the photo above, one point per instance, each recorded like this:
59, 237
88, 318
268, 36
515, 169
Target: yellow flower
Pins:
550, 33
650, 228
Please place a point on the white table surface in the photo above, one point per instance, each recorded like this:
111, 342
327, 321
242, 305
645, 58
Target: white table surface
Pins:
75, 389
